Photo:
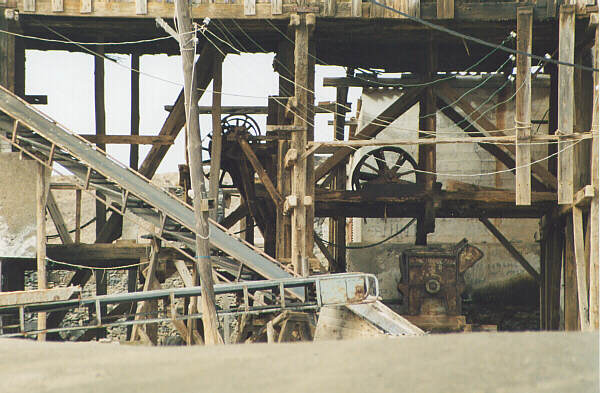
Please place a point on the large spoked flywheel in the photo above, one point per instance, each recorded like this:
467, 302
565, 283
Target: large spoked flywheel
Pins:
384, 165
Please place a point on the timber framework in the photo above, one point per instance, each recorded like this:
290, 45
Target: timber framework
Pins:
439, 52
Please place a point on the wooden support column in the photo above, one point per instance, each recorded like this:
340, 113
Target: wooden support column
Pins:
337, 225
300, 246
566, 53
427, 153
41, 195
554, 242
134, 150
523, 107
594, 240
570, 279
12, 56
134, 154
203, 262
217, 138
57, 218
99, 108
285, 67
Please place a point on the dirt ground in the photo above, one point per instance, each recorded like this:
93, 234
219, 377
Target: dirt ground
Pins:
476, 362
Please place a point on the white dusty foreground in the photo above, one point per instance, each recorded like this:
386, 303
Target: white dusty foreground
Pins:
476, 362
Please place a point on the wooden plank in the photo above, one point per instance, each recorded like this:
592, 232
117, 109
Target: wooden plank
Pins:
130, 139
77, 216
427, 153
141, 7
566, 53
580, 268
249, 7
97, 252
260, 171
217, 135
85, 6
42, 277
134, 150
485, 126
511, 249
594, 217
57, 6
37, 296
392, 112
150, 279
29, 5
57, 218
445, 9
523, 107
356, 8
276, 7
330, 7
571, 320
240, 212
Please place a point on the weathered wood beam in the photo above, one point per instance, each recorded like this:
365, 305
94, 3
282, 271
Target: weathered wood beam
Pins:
580, 269
150, 278
566, 99
594, 217
217, 135
523, 107
130, 139
235, 216
37, 296
42, 277
77, 253
457, 82
333, 264
261, 172
134, 150
57, 218
391, 113
511, 249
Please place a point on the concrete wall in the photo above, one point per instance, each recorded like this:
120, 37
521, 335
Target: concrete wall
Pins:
497, 265
17, 206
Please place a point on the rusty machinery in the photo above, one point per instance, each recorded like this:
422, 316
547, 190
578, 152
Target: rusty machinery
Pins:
432, 282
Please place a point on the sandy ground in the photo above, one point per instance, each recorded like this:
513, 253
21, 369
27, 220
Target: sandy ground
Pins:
476, 362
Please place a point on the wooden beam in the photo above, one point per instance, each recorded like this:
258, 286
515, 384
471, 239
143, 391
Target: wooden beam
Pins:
566, 53
511, 249
260, 171
580, 268
97, 252
391, 113
571, 312
134, 150
480, 121
445, 9
217, 135
240, 212
57, 218
203, 262
523, 107
130, 139
150, 278
594, 217
42, 276
427, 153
332, 262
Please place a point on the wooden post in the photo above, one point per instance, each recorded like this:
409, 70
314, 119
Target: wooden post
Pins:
594, 241
285, 67
134, 154
570, 280
201, 212
101, 275
134, 150
300, 249
566, 53
580, 269
427, 153
217, 144
12, 57
337, 225
41, 195
78, 216
523, 107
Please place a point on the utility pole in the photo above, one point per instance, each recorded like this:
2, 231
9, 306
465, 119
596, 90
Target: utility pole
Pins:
187, 45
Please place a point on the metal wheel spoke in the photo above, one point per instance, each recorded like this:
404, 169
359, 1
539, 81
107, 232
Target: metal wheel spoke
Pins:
400, 161
405, 173
381, 163
376, 170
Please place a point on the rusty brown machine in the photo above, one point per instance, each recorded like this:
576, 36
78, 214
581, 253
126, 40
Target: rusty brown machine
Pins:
432, 282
